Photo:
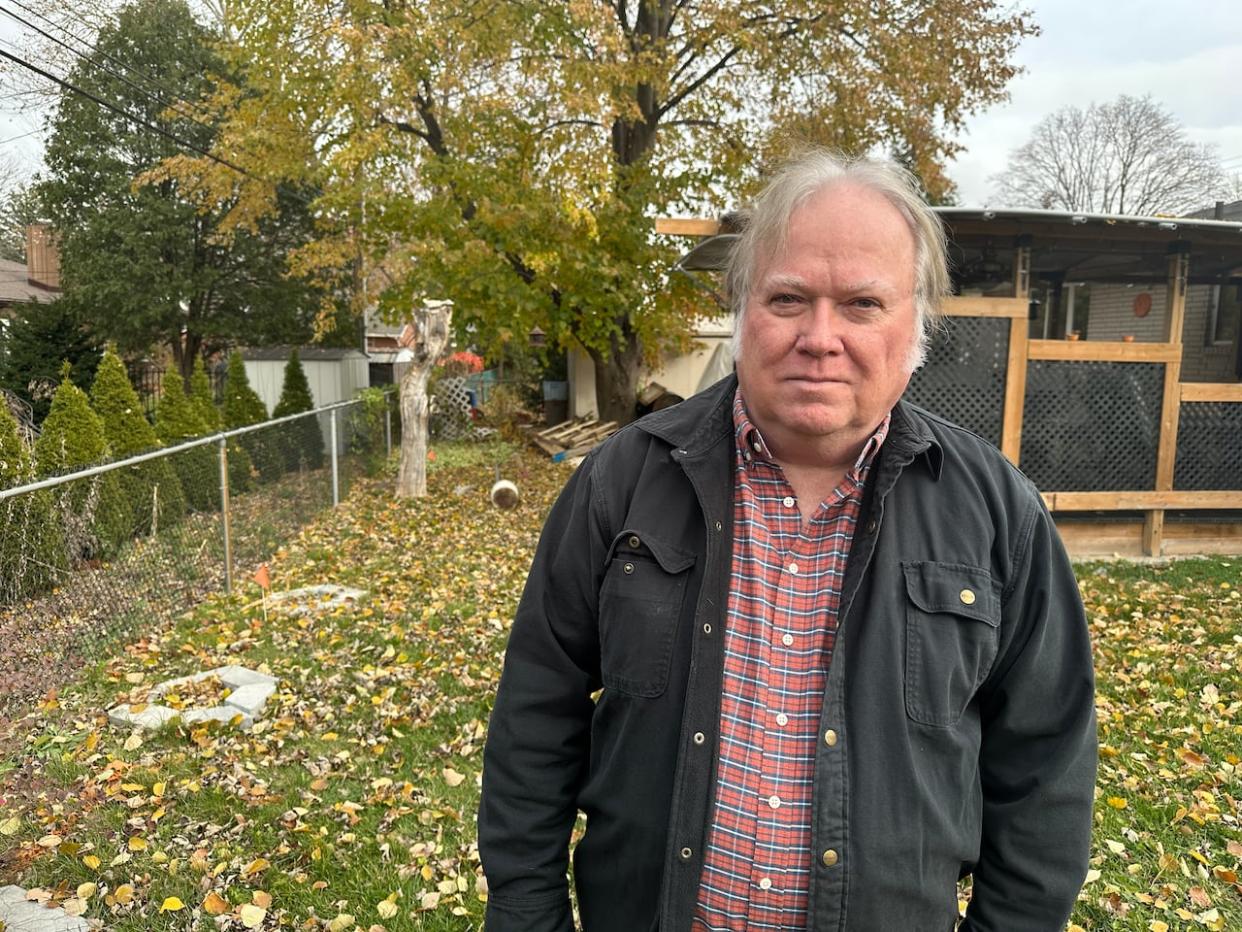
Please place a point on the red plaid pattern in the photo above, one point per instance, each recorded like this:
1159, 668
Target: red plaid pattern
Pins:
784, 594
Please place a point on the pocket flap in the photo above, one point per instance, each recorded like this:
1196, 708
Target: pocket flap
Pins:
671, 559
953, 588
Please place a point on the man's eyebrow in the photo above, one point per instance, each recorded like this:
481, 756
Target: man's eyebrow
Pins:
784, 280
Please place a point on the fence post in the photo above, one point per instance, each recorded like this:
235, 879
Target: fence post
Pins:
387, 427
336, 472
224, 516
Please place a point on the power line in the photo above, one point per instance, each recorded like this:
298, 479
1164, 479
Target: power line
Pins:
150, 95
15, 138
128, 116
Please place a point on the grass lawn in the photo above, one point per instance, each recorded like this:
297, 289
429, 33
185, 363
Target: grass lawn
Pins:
351, 804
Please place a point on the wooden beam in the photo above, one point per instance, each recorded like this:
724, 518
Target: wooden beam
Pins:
1015, 367
687, 226
975, 306
1104, 351
1170, 408
1211, 391
1140, 501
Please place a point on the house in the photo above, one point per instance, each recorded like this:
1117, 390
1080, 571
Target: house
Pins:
35, 280
1101, 354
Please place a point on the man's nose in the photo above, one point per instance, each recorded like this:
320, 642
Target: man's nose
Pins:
821, 329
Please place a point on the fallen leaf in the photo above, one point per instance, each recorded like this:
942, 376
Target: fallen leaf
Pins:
172, 905
214, 904
251, 916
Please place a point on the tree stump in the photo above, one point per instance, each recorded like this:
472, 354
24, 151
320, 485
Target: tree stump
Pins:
426, 340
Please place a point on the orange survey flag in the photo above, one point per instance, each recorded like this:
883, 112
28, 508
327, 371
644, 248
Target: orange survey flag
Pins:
263, 577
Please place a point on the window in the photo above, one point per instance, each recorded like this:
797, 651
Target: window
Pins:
1224, 315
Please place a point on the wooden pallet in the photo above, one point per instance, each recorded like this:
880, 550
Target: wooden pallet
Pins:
572, 438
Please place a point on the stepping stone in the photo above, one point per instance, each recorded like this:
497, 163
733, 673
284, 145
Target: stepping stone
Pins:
250, 691
317, 598
18, 913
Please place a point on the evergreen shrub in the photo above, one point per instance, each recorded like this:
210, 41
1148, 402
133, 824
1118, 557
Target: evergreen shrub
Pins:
303, 440
32, 550
176, 421
243, 407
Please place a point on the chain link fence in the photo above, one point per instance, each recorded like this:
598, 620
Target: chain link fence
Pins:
105, 553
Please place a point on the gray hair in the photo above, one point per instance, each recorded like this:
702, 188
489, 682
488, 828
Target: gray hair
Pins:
766, 223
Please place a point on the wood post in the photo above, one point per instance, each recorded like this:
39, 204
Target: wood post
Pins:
1166, 451
1015, 372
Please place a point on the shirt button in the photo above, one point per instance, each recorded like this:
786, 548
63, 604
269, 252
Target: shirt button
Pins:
830, 858
793, 569
830, 738
774, 802
967, 597
757, 446
634, 541
765, 883
782, 719
787, 639
789, 501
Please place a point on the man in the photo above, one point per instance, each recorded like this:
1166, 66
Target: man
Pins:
842, 654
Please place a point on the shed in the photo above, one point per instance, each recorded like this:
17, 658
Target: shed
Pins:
334, 374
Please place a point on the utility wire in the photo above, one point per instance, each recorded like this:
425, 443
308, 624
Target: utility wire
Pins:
120, 111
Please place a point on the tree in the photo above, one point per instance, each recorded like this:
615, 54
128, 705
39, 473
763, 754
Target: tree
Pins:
1129, 156
135, 250
32, 552
19, 208
203, 399
93, 512
242, 408
176, 421
39, 339
152, 489
511, 155
303, 439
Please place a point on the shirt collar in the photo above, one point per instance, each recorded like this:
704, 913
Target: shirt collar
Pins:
752, 446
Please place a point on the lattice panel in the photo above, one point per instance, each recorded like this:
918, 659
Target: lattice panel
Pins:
1209, 447
1091, 426
964, 377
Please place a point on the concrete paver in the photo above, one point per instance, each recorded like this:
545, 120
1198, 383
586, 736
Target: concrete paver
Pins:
22, 915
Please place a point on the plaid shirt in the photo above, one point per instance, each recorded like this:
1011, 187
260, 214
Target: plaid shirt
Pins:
784, 592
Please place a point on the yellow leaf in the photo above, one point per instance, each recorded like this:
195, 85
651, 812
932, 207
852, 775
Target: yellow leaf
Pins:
251, 916
258, 865
157, 789
10, 825
133, 742
429, 900
124, 893
1157, 926
386, 909
86, 890
92, 862
1117, 802
1225, 874
452, 777
214, 904
261, 898
172, 905
137, 844
50, 841
342, 922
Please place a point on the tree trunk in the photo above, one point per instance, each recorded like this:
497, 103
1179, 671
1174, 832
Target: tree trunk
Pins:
431, 333
616, 378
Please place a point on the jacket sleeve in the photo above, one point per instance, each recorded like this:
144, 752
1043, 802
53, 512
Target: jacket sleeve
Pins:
535, 756
1038, 756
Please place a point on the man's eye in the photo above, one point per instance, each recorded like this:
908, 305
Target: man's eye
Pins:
866, 304
785, 298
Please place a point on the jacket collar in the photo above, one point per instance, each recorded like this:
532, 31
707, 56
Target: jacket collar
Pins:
705, 419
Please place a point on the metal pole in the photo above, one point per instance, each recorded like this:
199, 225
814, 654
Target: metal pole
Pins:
387, 428
224, 515
336, 472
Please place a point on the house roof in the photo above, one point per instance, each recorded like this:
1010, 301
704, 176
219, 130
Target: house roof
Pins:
1065, 244
305, 353
15, 287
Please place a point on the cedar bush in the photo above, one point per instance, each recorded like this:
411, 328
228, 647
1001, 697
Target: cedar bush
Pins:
243, 407
240, 467
126, 429
177, 420
32, 550
93, 513
303, 440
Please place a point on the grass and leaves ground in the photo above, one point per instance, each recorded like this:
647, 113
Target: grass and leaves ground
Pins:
351, 805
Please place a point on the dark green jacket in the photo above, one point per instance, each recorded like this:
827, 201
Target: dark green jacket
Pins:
964, 728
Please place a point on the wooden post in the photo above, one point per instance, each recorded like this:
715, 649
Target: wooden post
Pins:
1166, 451
1015, 372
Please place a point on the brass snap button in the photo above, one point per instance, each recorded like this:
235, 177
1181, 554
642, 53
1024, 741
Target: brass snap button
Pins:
629, 567
830, 858
967, 596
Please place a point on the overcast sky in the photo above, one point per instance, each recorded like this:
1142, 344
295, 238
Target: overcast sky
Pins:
1188, 56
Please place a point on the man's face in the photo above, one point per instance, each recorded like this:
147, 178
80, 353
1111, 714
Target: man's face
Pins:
830, 325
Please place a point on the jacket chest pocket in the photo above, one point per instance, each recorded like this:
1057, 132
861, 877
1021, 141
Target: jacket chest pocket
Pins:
639, 604
952, 634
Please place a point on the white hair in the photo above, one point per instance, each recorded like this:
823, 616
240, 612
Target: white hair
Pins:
766, 227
